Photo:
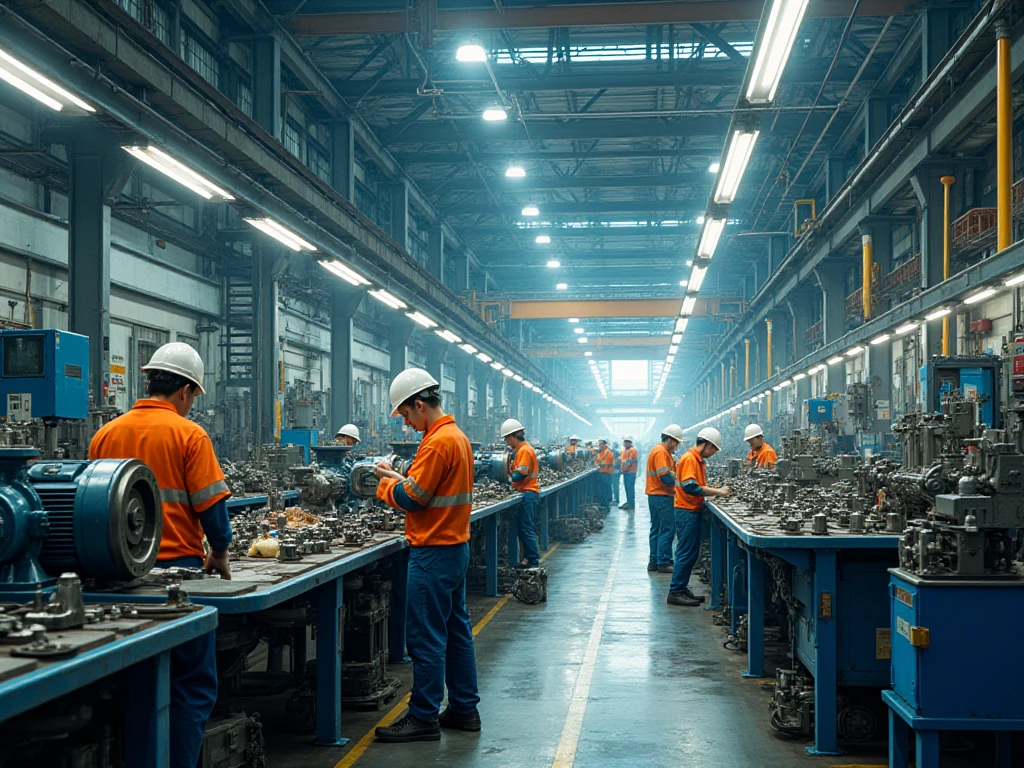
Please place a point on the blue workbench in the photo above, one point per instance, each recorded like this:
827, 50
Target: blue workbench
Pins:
143, 663
238, 504
817, 560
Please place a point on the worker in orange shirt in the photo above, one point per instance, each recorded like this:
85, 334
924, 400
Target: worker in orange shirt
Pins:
660, 489
605, 462
437, 497
691, 490
347, 435
193, 495
761, 455
524, 479
574, 444
628, 462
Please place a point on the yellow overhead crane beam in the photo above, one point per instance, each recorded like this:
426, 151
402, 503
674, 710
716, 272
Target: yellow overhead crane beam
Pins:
551, 309
617, 347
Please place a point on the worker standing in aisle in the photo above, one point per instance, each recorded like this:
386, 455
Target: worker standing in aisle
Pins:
660, 489
691, 490
525, 470
574, 444
761, 455
605, 462
194, 495
616, 473
628, 461
437, 497
347, 435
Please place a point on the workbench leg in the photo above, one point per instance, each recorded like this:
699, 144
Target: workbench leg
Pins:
396, 621
899, 741
491, 545
1004, 749
513, 537
755, 616
717, 565
545, 514
734, 570
927, 752
147, 715
329, 604
825, 656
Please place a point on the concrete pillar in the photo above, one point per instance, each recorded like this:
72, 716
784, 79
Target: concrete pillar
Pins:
800, 302
515, 391
929, 192
879, 376
400, 214
266, 397
344, 305
463, 365
482, 375
435, 252
832, 279
782, 340
266, 85
437, 354
401, 330
461, 261
343, 159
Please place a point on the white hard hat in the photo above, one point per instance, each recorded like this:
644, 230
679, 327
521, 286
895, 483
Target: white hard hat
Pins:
603, 440
711, 435
178, 357
674, 431
628, 439
510, 426
409, 382
349, 430
575, 437
752, 431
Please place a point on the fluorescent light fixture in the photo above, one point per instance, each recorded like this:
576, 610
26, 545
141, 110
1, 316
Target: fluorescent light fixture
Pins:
574, 320
39, 87
1015, 280
592, 362
582, 340
484, 357
554, 264
682, 283
468, 348
561, 286
798, 376
542, 239
517, 377
773, 51
515, 172
588, 353
270, 227
785, 383
715, 167
507, 372
676, 338
980, 296
737, 156
497, 366
673, 349
688, 304
907, 328
697, 278
531, 210
777, 388
386, 298
172, 169
854, 352
938, 313
347, 274
449, 336
669, 360
578, 330
421, 319
709, 237
681, 324
495, 114
881, 339
834, 360
471, 52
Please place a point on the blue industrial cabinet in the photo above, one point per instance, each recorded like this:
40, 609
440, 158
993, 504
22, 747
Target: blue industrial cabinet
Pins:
44, 374
972, 377
820, 411
304, 438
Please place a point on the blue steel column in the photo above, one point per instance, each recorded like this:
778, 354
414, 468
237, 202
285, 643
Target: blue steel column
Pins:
463, 364
396, 622
147, 706
899, 741
329, 602
513, 534
401, 330
268, 262
344, 305
266, 85
400, 214
718, 556
436, 252
927, 753
545, 519
732, 574
755, 616
930, 196
491, 549
461, 261
825, 654
343, 159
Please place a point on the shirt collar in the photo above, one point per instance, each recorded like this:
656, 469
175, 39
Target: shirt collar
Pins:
446, 419
696, 452
151, 403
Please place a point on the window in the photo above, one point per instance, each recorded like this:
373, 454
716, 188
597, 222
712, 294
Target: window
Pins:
630, 377
200, 58
293, 139
319, 163
161, 24
243, 97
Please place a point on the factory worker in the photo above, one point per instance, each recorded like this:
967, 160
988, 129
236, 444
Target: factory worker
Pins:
761, 455
574, 444
605, 462
691, 490
437, 497
524, 479
628, 461
193, 491
660, 488
616, 473
347, 435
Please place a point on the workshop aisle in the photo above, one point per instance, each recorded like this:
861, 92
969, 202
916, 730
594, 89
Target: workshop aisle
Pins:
606, 674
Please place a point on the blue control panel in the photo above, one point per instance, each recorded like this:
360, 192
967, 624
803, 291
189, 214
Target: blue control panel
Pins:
44, 374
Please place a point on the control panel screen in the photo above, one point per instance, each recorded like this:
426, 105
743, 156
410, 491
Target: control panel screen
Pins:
23, 356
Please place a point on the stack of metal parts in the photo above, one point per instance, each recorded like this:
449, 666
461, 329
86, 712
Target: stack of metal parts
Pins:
574, 528
246, 477
477, 575
364, 680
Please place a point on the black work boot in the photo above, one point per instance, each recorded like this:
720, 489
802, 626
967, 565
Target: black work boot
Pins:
409, 728
666, 568
681, 598
652, 567
451, 719
698, 598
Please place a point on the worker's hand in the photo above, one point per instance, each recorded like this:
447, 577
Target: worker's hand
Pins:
383, 469
724, 490
218, 562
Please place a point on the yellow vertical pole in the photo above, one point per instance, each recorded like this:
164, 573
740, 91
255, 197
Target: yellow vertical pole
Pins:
947, 182
1004, 141
768, 363
867, 245
746, 371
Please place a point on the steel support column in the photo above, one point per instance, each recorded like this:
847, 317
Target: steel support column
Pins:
461, 261
400, 214
398, 347
876, 121
435, 252
927, 185
832, 279
344, 305
463, 365
343, 159
437, 354
936, 37
266, 85
269, 261
835, 175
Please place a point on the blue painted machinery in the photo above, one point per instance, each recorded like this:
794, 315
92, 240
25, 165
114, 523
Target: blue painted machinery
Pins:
44, 374
100, 519
303, 438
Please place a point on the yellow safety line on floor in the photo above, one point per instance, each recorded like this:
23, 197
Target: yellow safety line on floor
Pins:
363, 744
565, 755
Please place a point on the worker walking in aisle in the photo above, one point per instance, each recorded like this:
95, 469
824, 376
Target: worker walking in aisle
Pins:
524, 479
347, 435
761, 455
628, 461
616, 473
437, 497
691, 490
193, 495
605, 462
660, 489
574, 444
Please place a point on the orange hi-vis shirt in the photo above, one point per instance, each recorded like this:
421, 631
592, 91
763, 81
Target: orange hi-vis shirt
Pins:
690, 467
526, 464
605, 461
659, 464
181, 456
763, 457
571, 447
441, 480
628, 461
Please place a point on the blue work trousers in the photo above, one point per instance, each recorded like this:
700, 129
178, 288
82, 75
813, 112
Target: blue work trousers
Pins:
606, 487
687, 548
615, 487
438, 634
193, 687
663, 530
528, 528
629, 483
